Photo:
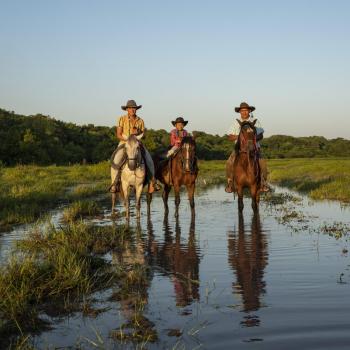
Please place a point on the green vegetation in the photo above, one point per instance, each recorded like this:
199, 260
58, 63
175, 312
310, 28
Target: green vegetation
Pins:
319, 178
28, 191
44, 140
57, 269
79, 210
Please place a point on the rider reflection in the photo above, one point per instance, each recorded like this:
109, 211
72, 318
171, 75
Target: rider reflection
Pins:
248, 257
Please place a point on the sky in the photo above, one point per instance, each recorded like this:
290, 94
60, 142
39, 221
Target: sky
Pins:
80, 60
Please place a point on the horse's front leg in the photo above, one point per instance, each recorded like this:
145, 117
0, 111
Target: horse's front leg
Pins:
240, 198
126, 199
190, 193
255, 197
177, 199
165, 196
138, 193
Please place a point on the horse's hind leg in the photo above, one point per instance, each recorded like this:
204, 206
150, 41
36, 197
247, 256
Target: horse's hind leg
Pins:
190, 193
240, 198
114, 197
149, 201
165, 196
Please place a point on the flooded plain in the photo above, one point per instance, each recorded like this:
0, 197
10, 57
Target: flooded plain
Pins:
276, 280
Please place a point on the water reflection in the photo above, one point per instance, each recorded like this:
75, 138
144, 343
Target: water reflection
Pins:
248, 257
179, 259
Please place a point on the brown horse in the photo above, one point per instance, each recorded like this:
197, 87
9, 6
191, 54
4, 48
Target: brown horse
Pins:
181, 169
245, 169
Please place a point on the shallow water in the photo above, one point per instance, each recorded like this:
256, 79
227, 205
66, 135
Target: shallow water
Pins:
229, 281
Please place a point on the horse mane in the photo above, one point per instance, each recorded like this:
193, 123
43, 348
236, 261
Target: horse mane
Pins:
132, 139
188, 139
243, 124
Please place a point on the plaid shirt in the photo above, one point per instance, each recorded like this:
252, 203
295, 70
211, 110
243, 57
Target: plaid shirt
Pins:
127, 125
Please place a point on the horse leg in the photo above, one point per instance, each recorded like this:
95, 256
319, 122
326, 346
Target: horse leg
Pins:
177, 199
114, 197
255, 197
190, 193
138, 193
165, 196
126, 193
149, 201
240, 198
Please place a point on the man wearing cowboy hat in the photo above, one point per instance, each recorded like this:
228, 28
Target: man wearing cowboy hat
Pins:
177, 134
244, 109
130, 124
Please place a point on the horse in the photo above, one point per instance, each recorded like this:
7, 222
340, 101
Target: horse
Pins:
133, 174
181, 169
246, 169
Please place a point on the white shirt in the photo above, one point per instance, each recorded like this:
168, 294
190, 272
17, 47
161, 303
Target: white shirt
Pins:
236, 128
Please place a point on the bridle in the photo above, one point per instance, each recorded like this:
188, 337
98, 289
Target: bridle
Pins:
244, 145
189, 159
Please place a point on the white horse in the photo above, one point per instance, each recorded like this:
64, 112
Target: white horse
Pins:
133, 175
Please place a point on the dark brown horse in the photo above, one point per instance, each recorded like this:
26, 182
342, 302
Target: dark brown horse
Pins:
246, 170
180, 170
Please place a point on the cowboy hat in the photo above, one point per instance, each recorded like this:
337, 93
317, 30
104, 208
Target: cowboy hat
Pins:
131, 104
179, 120
244, 105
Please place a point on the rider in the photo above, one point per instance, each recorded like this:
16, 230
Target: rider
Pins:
130, 124
244, 109
177, 134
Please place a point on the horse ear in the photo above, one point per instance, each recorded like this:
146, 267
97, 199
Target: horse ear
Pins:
254, 121
239, 122
194, 135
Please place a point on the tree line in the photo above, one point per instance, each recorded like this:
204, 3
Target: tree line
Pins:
45, 140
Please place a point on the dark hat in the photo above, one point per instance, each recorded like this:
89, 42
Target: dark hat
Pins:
131, 104
179, 120
244, 105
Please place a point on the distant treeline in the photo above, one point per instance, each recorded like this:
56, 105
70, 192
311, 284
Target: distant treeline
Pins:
44, 140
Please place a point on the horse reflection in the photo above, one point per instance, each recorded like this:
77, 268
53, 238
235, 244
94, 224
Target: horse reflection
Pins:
132, 292
179, 260
248, 256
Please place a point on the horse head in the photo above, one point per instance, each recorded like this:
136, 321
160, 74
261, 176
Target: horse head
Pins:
188, 153
133, 152
247, 136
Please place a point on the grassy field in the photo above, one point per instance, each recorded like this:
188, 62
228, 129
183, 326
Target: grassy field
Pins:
319, 178
26, 192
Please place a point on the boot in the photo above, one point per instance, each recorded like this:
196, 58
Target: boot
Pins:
264, 186
230, 186
153, 186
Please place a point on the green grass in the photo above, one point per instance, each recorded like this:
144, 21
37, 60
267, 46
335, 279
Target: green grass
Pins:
80, 209
28, 191
319, 178
59, 267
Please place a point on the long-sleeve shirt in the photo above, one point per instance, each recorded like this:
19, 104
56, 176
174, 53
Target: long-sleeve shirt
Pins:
176, 137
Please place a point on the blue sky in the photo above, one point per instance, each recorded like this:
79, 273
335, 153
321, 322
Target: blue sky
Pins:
79, 60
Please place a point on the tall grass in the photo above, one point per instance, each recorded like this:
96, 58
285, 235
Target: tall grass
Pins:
319, 178
28, 191
51, 265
